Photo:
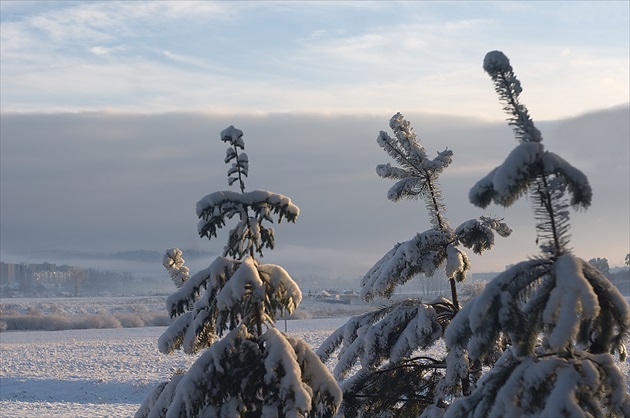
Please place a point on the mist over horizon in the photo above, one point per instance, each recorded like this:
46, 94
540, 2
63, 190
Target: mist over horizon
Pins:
102, 183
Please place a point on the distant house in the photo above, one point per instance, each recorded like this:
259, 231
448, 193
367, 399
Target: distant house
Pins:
328, 297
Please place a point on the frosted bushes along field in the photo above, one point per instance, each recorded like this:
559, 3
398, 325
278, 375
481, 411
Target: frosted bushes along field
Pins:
81, 313
124, 312
56, 322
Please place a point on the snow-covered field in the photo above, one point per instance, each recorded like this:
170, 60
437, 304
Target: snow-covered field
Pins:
108, 372
105, 372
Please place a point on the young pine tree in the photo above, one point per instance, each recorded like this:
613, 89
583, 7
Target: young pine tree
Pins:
557, 318
394, 378
254, 370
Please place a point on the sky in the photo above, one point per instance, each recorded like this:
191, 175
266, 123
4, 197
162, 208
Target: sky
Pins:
111, 113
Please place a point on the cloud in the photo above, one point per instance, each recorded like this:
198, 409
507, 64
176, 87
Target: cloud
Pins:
105, 50
109, 182
312, 57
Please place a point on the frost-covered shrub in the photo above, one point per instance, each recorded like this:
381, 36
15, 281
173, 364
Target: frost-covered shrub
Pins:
61, 321
298, 314
55, 322
130, 320
157, 320
248, 368
34, 311
96, 322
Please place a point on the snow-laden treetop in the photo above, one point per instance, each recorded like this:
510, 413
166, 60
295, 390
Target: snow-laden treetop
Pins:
529, 168
253, 208
240, 166
418, 174
495, 62
509, 88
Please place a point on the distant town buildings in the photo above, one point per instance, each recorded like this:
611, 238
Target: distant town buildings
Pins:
48, 279
51, 279
29, 276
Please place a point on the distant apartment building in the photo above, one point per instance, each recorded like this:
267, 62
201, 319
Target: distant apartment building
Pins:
11, 274
27, 276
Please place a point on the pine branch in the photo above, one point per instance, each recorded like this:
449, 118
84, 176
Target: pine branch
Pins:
553, 218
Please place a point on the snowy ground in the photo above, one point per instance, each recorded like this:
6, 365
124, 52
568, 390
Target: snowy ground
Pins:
98, 373
49, 369
108, 372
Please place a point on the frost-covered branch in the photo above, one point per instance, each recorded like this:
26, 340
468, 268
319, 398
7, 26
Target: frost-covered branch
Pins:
174, 264
234, 292
429, 251
250, 234
574, 384
422, 254
560, 299
478, 234
282, 376
390, 334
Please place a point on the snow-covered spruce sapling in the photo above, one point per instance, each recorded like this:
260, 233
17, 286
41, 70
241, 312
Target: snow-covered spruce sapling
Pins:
559, 318
394, 378
254, 370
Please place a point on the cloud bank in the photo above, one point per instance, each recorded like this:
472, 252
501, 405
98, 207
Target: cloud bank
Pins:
110, 182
